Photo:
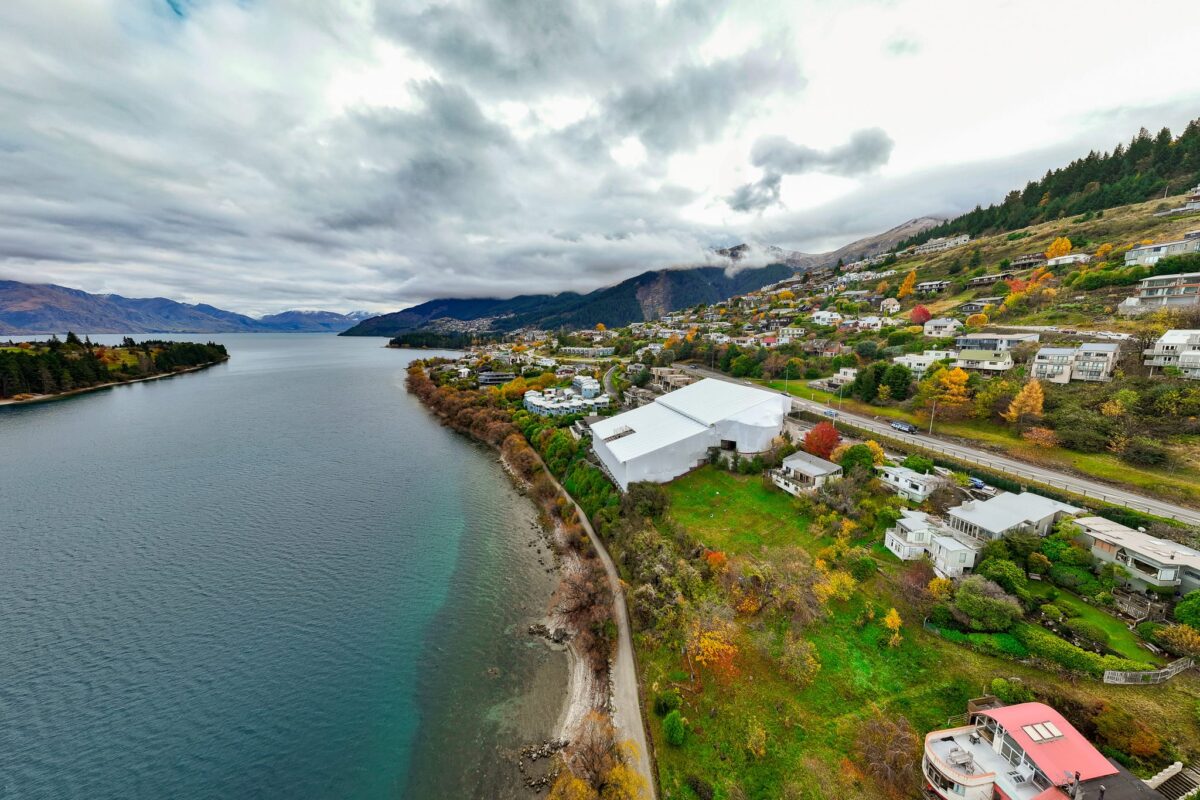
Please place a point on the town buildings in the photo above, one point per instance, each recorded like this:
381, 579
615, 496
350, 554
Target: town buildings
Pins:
1023, 752
1179, 349
826, 317
804, 472
942, 243
931, 287
988, 280
1163, 291
490, 378
919, 363
587, 352
889, 305
674, 434
563, 402
998, 516
1091, 361
1070, 258
1149, 562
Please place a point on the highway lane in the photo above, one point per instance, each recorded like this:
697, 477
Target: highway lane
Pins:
984, 458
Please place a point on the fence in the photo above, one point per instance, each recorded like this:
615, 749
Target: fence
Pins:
1156, 676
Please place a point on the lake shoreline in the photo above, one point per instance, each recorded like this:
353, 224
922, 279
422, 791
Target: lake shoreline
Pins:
46, 398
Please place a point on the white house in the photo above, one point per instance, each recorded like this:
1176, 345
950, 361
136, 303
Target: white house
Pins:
674, 434
1179, 349
994, 341
889, 305
1149, 561
931, 287
941, 327
910, 537
909, 484
1000, 515
917, 535
1092, 361
1163, 291
919, 363
984, 360
953, 555
803, 472
826, 317
1070, 258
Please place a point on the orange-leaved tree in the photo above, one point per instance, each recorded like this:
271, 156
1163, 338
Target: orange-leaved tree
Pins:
1059, 247
822, 440
906, 288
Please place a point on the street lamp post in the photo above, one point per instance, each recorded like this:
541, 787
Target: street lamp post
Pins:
932, 414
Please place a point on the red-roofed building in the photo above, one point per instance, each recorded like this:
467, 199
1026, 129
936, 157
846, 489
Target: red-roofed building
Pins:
1023, 752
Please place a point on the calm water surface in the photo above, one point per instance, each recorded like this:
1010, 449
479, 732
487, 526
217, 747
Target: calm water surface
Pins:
276, 578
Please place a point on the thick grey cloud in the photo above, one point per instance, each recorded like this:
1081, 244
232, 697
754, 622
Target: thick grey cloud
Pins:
777, 156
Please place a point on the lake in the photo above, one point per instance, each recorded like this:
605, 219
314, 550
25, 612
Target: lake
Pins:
275, 578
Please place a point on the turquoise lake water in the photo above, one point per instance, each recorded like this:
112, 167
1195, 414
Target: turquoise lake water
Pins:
276, 578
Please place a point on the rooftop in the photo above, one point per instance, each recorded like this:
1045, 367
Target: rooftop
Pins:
1007, 510
1163, 550
808, 464
710, 400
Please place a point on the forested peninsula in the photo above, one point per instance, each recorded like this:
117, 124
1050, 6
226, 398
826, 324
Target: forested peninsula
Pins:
40, 370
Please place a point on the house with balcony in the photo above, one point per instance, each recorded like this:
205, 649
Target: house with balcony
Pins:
1068, 260
994, 341
999, 516
1163, 291
984, 360
889, 305
826, 318
932, 287
1151, 562
979, 304
919, 363
908, 483
988, 280
942, 243
1176, 348
917, 535
804, 472
1148, 255
1026, 751
1091, 361
941, 327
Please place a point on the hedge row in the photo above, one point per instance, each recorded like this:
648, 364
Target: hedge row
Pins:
1045, 645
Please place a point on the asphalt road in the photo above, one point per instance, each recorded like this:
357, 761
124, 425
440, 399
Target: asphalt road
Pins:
984, 458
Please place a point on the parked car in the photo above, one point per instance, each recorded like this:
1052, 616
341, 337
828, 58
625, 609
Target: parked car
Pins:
978, 484
906, 427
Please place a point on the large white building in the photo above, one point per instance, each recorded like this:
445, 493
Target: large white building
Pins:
1179, 349
1001, 515
674, 434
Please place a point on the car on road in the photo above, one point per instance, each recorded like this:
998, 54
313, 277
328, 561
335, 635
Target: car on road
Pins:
829, 412
906, 427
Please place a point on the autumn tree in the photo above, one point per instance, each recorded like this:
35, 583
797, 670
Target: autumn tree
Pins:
1103, 251
601, 763
893, 623
1041, 437
710, 644
906, 288
600, 326
920, 315
822, 440
569, 787
940, 588
977, 320
1027, 404
1059, 247
799, 661
889, 749
877, 454
950, 387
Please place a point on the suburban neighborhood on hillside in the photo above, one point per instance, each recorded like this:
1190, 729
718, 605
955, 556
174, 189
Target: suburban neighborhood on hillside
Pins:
1005, 424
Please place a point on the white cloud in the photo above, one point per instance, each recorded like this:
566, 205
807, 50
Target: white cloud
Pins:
284, 153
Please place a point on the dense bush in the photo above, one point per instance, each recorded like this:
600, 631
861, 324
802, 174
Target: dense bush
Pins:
674, 728
1087, 632
983, 606
1188, 610
1048, 647
666, 702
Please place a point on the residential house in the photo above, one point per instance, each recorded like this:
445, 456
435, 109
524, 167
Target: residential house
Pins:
988, 280
1191, 203
674, 434
942, 243
931, 287
1163, 291
1150, 562
998, 516
491, 378
910, 484
563, 402
587, 386
804, 472
1179, 349
942, 327
1028, 260
1091, 361
979, 304
984, 360
919, 363
917, 535
1022, 752
871, 323
587, 352
1150, 254
994, 341
842, 377
889, 305
826, 317
1070, 258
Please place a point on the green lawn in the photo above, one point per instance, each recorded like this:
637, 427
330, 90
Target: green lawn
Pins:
1123, 641
736, 513
1180, 483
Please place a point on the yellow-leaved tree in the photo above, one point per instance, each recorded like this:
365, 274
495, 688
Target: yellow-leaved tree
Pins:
600, 326
877, 454
1059, 247
977, 320
951, 388
906, 288
1027, 404
893, 623
940, 588
1103, 251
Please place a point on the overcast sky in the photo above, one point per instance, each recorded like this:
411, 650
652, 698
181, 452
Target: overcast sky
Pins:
270, 154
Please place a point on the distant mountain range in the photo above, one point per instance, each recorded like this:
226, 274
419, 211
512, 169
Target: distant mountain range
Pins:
644, 297
27, 308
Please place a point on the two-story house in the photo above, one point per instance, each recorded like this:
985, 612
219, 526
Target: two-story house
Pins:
1176, 348
1149, 562
984, 360
1091, 361
942, 327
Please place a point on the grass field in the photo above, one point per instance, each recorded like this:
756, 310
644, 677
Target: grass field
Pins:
1180, 483
736, 513
811, 732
